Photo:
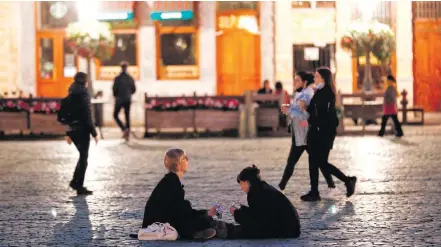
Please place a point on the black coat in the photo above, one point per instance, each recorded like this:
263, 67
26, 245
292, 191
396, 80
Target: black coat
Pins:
269, 214
263, 91
83, 103
323, 119
166, 204
123, 87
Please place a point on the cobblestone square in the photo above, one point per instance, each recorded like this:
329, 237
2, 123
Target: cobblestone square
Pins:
397, 201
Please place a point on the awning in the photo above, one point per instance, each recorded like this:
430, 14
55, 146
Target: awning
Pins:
172, 10
115, 10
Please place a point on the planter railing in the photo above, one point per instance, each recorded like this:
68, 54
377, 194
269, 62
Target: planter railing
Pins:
194, 119
39, 117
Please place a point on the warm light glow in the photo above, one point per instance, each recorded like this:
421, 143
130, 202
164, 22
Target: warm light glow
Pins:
367, 9
248, 23
171, 15
87, 10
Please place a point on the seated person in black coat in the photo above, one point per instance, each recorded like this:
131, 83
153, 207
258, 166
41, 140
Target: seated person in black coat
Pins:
167, 204
269, 213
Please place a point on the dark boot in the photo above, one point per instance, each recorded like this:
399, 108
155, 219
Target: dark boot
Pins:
311, 197
84, 191
350, 186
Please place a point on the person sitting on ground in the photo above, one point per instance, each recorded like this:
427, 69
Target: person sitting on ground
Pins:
269, 214
167, 204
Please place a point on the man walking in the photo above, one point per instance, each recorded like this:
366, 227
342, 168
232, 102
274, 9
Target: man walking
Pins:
123, 89
80, 129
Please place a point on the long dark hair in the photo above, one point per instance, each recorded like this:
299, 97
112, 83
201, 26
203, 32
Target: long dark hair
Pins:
250, 174
326, 74
306, 76
309, 78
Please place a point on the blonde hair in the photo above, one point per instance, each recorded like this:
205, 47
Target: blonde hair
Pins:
172, 158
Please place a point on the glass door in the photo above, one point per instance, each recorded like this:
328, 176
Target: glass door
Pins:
56, 65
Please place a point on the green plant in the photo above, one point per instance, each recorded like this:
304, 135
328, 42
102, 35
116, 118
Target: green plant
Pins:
366, 39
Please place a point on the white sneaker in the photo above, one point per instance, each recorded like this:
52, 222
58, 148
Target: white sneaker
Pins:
158, 231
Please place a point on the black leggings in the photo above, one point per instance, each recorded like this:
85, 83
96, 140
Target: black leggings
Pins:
294, 155
318, 158
81, 141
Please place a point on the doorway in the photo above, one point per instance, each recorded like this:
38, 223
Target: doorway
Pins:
56, 64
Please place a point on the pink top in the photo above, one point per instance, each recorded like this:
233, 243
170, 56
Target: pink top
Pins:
390, 109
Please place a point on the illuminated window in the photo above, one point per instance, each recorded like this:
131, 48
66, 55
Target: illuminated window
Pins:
125, 50
177, 49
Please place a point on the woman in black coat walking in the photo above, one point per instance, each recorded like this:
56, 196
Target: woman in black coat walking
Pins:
269, 213
323, 124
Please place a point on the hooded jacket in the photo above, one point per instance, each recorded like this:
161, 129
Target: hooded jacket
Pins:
85, 121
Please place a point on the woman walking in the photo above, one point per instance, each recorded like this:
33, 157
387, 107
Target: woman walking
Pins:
390, 107
303, 84
322, 124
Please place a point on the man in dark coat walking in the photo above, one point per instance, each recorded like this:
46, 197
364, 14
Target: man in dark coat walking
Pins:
123, 89
80, 130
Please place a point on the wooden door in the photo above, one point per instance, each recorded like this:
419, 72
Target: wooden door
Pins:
427, 64
238, 61
56, 65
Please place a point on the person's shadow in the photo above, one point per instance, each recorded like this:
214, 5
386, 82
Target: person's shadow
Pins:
78, 231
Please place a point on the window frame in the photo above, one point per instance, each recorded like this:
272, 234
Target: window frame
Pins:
194, 30
99, 66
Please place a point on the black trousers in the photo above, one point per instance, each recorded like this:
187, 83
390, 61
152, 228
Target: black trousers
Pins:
397, 124
318, 158
294, 155
189, 227
126, 106
81, 140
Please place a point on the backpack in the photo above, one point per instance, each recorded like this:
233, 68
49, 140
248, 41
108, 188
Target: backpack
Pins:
68, 113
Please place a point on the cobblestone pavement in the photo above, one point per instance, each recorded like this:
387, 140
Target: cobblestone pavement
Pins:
397, 202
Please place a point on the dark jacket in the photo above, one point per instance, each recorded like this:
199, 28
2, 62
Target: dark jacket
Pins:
322, 120
82, 98
123, 87
263, 91
166, 204
269, 214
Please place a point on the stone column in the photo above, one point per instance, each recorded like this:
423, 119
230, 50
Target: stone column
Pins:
207, 45
343, 59
27, 77
404, 42
267, 40
284, 43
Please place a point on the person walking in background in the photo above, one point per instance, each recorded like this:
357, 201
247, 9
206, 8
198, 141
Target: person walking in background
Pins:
322, 125
80, 129
390, 107
303, 85
123, 89
266, 88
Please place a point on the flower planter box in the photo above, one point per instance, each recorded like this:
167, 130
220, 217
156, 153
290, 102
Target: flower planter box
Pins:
169, 119
217, 119
267, 117
13, 121
46, 123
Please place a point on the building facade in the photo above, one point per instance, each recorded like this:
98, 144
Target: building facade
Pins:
226, 48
